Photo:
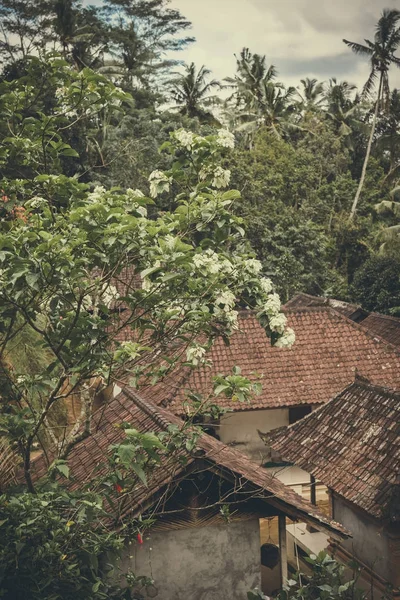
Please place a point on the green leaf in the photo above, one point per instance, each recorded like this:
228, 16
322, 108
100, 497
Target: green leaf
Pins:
231, 195
127, 453
63, 469
140, 473
220, 388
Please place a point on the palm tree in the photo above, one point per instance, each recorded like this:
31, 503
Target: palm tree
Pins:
343, 110
190, 91
339, 94
273, 110
390, 236
79, 32
311, 96
251, 72
381, 55
388, 141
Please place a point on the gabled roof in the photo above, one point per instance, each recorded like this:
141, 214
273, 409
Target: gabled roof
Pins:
349, 309
86, 457
385, 326
351, 444
328, 351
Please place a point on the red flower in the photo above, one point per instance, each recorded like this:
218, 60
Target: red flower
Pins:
118, 488
139, 538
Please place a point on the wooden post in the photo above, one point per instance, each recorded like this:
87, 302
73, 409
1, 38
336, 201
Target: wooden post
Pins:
283, 547
313, 491
313, 500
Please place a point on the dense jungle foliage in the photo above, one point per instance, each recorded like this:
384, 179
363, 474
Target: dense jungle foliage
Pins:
302, 153
259, 191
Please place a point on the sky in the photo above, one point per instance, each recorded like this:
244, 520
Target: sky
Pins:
302, 38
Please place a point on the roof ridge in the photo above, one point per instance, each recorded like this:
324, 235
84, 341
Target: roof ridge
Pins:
153, 411
364, 383
382, 316
364, 329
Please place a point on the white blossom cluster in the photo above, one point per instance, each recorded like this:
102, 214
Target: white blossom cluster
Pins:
277, 320
61, 92
226, 139
195, 354
104, 296
252, 266
278, 323
170, 241
211, 263
227, 299
185, 138
159, 182
287, 339
272, 305
132, 195
221, 177
97, 195
266, 285
36, 202
230, 317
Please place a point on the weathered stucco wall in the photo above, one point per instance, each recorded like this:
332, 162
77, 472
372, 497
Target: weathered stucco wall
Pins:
240, 428
369, 543
218, 562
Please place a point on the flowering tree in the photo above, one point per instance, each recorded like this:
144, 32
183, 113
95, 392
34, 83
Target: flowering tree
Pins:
108, 289
64, 265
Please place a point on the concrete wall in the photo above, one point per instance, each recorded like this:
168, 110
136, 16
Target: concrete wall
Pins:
217, 562
369, 543
240, 429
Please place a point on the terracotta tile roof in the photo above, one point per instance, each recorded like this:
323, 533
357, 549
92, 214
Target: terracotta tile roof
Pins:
386, 327
86, 456
351, 444
350, 310
328, 351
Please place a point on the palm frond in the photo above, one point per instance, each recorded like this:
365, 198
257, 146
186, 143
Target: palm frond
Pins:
370, 83
359, 48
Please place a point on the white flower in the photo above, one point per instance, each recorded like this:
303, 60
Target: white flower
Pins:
221, 177
226, 139
253, 266
227, 298
61, 91
266, 285
278, 323
226, 266
148, 285
109, 295
203, 173
134, 193
170, 241
229, 316
287, 339
272, 305
159, 182
185, 138
36, 202
232, 319
208, 261
97, 194
195, 354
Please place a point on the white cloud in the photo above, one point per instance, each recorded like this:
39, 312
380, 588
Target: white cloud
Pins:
303, 38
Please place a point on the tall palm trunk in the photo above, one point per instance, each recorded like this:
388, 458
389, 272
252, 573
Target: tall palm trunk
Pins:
367, 155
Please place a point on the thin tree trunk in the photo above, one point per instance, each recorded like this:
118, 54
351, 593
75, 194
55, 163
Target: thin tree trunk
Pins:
367, 155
